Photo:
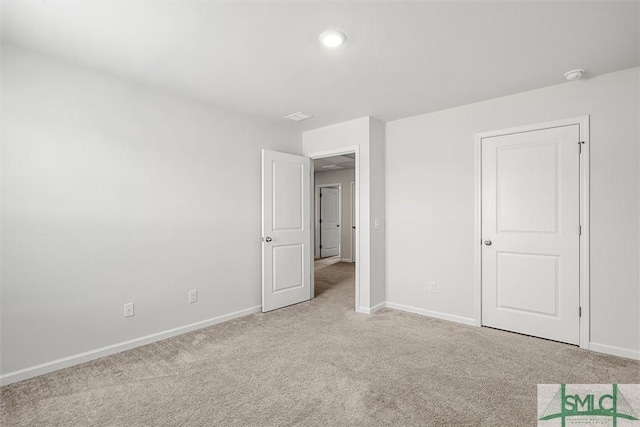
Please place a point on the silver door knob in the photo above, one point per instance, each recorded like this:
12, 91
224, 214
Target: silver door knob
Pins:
268, 239
487, 242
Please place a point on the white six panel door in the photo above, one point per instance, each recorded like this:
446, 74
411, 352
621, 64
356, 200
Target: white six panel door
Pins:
286, 207
330, 221
530, 232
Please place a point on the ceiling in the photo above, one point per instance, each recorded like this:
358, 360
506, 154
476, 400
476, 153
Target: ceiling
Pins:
401, 58
347, 161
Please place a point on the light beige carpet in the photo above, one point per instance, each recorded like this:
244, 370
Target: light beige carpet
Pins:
315, 364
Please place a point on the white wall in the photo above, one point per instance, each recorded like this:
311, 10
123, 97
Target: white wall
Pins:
365, 133
430, 200
378, 211
115, 192
344, 177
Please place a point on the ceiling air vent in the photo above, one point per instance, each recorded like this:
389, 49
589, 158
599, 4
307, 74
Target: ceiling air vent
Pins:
297, 116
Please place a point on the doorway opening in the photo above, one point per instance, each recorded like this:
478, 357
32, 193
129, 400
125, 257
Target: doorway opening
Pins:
328, 220
335, 220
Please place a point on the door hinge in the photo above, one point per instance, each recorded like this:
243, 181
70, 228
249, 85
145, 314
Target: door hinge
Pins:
320, 220
580, 146
321, 193
580, 230
579, 311
320, 246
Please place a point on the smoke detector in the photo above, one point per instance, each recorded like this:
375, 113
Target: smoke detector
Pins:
296, 117
574, 74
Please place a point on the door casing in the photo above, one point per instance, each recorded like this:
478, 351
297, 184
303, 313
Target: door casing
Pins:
583, 123
352, 220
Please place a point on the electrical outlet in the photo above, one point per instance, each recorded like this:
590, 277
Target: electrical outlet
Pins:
193, 296
432, 287
128, 309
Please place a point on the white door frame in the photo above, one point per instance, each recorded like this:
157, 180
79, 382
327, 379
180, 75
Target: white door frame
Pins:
352, 200
353, 149
583, 124
317, 217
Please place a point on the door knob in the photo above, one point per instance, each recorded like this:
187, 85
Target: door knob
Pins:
268, 239
486, 242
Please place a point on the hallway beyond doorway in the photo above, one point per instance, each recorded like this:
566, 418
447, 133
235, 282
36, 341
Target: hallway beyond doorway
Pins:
333, 275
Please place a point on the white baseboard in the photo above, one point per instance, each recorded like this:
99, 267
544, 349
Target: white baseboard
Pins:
615, 351
76, 359
373, 309
346, 260
367, 310
430, 313
600, 348
378, 307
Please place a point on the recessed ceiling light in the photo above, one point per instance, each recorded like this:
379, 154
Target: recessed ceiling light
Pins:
329, 166
297, 116
332, 38
574, 74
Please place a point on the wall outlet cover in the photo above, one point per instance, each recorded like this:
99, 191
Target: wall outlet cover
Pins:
128, 310
432, 286
193, 296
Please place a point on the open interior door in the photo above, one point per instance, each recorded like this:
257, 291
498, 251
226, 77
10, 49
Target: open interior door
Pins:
286, 236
